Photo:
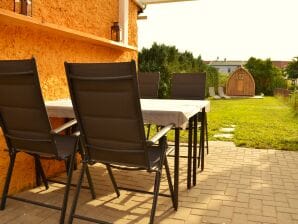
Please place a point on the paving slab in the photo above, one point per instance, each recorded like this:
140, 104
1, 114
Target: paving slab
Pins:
227, 130
224, 135
238, 185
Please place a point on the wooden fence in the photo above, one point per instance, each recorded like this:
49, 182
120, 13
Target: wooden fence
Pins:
290, 97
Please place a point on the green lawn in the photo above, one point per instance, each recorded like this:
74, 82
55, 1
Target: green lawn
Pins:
260, 123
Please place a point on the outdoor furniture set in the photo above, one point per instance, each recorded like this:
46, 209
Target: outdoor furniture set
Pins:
102, 95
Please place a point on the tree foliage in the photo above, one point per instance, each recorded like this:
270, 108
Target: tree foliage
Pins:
267, 77
292, 69
168, 60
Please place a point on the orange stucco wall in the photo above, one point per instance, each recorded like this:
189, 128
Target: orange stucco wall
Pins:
92, 16
6, 4
50, 51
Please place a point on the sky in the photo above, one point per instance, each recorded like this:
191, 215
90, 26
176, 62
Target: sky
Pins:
231, 29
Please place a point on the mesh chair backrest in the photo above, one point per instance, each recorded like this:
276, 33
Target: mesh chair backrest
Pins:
106, 103
22, 111
189, 86
148, 84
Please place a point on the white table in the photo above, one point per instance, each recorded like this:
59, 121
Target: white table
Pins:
155, 111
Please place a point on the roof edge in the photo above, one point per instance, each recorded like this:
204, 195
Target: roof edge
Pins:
140, 4
163, 1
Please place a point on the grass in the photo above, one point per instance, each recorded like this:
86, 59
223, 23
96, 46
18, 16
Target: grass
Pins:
260, 123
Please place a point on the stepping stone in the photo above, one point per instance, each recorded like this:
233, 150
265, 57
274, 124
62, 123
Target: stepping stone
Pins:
224, 135
227, 130
230, 126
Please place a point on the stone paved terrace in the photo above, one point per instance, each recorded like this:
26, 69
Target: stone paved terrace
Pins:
239, 185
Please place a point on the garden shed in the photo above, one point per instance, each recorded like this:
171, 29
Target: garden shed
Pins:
240, 83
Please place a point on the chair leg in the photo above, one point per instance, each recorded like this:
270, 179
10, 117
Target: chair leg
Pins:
90, 182
67, 188
75, 166
7, 181
66, 164
156, 192
41, 171
113, 180
78, 189
170, 181
37, 172
148, 131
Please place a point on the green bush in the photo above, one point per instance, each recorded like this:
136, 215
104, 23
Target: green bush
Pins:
278, 82
223, 79
267, 77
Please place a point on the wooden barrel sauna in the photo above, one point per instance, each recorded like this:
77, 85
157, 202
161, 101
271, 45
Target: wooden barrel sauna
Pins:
240, 83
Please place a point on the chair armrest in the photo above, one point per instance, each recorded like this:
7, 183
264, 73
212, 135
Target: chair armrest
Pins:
160, 134
64, 126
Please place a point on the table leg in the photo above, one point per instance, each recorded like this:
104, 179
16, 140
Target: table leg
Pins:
176, 167
189, 154
195, 143
206, 133
203, 139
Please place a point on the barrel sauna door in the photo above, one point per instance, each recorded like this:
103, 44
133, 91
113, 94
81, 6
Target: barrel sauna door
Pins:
241, 83
237, 85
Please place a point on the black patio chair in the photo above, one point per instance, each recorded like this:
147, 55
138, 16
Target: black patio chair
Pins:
191, 86
148, 86
26, 127
106, 102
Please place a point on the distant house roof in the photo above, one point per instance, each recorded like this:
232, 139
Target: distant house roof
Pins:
227, 63
280, 64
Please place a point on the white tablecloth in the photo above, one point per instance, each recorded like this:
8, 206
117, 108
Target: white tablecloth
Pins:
155, 111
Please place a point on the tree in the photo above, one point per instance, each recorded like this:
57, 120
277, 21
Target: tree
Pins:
168, 60
156, 59
292, 69
267, 77
201, 64
212, 77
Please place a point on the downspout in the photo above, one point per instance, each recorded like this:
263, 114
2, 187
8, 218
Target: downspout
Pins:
124, 17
